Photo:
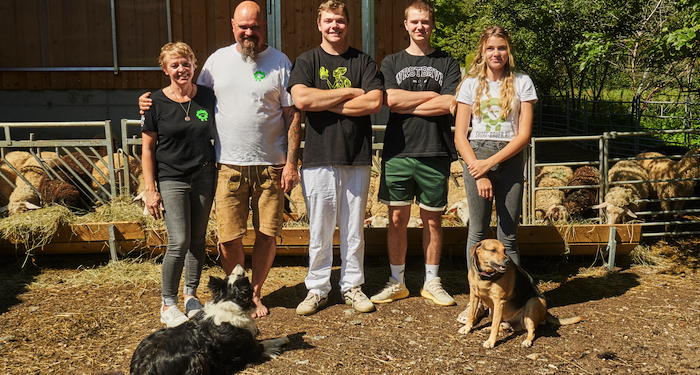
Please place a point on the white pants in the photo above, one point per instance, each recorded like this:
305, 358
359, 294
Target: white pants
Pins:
335, 195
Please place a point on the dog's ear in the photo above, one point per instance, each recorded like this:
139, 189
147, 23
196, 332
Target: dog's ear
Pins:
216, 285
472, 251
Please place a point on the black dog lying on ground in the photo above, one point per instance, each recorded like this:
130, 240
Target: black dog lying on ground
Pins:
219, 339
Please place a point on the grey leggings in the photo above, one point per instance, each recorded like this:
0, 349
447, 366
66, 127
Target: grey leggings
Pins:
187, 203
507, 181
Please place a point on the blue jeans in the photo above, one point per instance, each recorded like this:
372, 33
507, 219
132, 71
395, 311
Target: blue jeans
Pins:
507, 181
187, 203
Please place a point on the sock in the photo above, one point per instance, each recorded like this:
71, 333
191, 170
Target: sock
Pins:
397, 272
431, 272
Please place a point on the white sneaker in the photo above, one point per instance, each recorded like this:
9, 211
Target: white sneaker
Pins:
358, 300
392, 291
311, 304
172, 317
433, 291
192, 306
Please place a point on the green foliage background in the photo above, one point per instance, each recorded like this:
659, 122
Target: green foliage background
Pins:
585, 48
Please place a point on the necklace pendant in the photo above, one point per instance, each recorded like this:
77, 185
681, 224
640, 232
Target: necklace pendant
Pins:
187, 118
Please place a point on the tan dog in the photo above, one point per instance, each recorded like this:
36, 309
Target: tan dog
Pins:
508, 291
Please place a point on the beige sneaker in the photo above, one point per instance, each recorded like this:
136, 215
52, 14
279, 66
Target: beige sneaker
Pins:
358, 300
392, 291
433, 291
311, 304
482, 311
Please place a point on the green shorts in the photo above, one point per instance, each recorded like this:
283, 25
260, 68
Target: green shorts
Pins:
422, 179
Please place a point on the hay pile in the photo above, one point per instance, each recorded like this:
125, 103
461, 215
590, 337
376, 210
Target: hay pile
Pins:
34, 229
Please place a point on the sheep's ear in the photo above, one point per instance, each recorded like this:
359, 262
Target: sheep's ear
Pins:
599, 206
31, 206
629, 212
452, 208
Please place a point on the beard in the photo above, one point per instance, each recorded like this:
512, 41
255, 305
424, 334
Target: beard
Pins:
249, 48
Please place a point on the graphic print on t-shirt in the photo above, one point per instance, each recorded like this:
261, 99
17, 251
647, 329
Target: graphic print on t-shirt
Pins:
419, 74
259, 75
340, 81
491, 115
202, 115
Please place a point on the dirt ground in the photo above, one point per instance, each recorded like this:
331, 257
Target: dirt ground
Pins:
82, 315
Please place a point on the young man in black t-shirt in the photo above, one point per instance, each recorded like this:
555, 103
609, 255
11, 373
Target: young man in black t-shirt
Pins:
420, 82
338, 87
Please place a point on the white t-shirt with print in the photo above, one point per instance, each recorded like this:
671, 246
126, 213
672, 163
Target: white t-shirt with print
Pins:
250, 126
490, 126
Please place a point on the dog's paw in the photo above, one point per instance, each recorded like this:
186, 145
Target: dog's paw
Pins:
488, 344
466, 329
527, 343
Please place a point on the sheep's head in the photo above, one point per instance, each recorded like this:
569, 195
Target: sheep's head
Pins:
613, 213
557, 213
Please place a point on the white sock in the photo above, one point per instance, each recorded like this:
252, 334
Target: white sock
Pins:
397, 272
431, 272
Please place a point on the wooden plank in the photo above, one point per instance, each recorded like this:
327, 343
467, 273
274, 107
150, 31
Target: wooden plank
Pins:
533, 240
176, 19
198, 19
9, 47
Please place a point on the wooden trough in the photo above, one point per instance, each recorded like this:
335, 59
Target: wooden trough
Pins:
533, 240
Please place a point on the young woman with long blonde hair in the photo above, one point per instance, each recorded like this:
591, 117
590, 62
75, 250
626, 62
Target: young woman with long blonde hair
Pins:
498, 104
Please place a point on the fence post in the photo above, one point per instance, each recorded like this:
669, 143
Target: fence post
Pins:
568, 114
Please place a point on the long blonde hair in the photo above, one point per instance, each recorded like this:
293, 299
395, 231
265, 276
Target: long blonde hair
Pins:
478, 70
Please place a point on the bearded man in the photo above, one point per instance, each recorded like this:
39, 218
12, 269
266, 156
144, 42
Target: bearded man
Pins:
257, 142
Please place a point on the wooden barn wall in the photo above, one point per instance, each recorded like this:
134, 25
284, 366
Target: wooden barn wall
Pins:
77, 33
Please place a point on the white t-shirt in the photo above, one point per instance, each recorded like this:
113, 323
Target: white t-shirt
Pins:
250, 127
490, 126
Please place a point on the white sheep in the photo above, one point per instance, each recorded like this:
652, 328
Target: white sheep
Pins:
549, 202
377, 221
624, 199
461, 210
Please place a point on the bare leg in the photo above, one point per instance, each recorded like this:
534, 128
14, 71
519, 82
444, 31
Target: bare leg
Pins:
397, 241
264, 252
232, 254
432, 236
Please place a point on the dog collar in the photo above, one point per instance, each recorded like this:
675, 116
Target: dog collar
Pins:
483, 275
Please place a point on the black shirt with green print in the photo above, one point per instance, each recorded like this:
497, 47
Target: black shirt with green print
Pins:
331, 138
182, 146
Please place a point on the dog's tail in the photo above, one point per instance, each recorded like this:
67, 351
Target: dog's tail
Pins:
272, 347
551, 319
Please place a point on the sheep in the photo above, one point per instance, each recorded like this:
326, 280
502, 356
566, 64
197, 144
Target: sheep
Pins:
666, 169
135, 178
23, 193
15, 159
461, 210
548, 202
377, 221
624, 199
578, 202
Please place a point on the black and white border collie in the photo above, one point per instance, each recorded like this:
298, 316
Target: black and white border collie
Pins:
219, 339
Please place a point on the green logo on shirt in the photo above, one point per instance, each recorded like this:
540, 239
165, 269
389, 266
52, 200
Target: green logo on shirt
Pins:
491, 115
259, 75
340, 81
202, 115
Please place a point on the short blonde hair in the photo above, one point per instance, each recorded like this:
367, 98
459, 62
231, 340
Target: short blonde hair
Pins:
421, 5
333, 6
177, 49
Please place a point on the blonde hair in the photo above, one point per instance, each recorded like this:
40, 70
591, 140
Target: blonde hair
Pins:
478, 70
177, 49
333, 6
421, 5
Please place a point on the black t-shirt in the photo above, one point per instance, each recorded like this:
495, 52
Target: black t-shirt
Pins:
420, 136
333, 139
182, 146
